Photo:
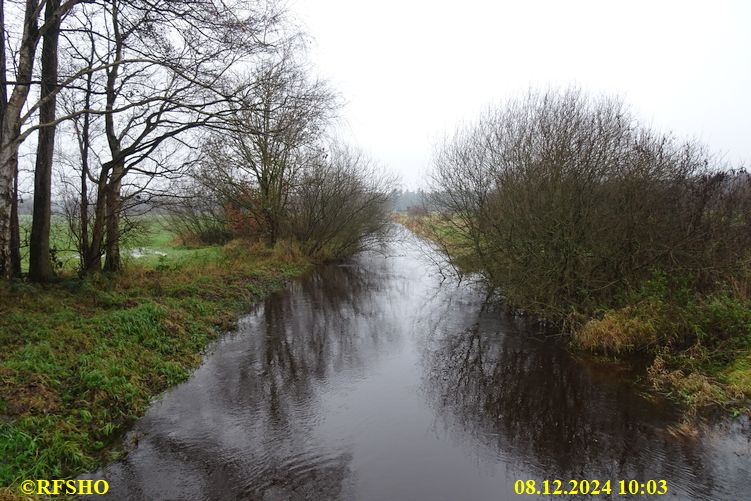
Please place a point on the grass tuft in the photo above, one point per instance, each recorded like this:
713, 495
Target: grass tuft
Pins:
617, 332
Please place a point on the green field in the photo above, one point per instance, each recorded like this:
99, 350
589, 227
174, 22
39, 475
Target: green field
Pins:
155, 237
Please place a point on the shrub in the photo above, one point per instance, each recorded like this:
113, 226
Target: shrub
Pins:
569, 203
341, 206
199, 216
334, 206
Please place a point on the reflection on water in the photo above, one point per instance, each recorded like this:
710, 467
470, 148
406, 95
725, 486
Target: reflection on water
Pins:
564, 420
374, 381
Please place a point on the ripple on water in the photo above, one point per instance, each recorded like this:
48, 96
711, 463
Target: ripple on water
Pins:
377, 380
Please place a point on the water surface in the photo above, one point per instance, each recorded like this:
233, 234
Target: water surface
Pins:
375, 381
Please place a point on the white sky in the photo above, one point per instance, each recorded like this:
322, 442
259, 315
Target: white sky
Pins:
410, 71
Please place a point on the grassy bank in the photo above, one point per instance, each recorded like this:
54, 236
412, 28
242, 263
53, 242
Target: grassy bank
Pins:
699, 343
447, 236
81, 359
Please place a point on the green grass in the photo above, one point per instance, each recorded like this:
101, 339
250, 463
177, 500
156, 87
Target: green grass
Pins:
81, 358
154, 235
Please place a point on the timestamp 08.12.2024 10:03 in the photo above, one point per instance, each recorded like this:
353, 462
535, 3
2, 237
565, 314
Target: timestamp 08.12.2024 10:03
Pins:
590, 487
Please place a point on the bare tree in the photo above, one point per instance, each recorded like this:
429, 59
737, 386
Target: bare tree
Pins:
14, 112
338, 205
167, 69
257, 164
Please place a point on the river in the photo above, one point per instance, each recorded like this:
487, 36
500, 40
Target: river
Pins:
375, 380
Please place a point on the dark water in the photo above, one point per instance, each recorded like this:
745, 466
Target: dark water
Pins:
374, 382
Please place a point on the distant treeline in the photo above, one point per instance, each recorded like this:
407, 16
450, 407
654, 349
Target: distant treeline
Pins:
405, 200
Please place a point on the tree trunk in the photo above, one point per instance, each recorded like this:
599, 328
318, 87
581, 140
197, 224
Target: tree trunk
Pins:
83, 243
10, 126
113, 201
15, 236
5, 212
83, 246
15, 230
112, 262
93, 255
10, 242
7, 193
40, 262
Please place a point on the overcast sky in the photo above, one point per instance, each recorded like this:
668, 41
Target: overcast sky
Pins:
410, 71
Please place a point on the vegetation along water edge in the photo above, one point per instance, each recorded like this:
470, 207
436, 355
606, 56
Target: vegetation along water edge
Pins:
631, 240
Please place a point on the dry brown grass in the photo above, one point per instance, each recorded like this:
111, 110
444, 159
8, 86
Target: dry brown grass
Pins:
615, 333
696, 389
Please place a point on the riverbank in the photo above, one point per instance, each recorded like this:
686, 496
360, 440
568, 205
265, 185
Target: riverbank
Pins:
82, 359
700, 345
